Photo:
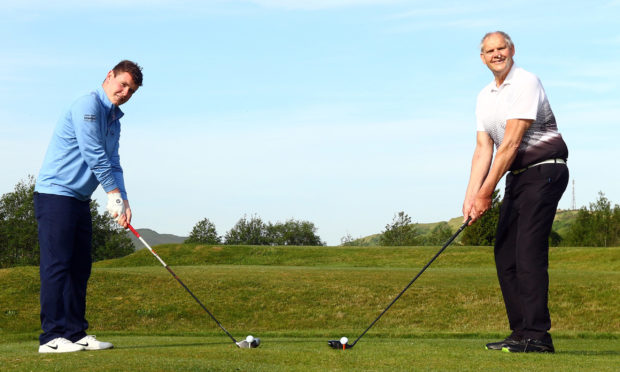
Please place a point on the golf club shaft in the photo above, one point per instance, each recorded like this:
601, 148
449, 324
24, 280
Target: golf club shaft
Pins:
463, 226
180, 282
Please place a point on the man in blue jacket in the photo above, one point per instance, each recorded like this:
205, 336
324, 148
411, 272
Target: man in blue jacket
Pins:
82, 155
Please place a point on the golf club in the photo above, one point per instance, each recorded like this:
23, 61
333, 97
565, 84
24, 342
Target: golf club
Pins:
343, 342
249, 343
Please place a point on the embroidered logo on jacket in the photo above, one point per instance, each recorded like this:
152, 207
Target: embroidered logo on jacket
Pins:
90, 117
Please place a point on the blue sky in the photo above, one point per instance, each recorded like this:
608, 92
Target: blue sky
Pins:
339, 112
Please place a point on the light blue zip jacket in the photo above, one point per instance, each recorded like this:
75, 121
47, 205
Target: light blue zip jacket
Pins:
83, 152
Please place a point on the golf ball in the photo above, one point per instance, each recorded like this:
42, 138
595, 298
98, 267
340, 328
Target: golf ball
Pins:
249, 339
344, 340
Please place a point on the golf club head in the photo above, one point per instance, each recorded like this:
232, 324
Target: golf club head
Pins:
336, 344
249, 345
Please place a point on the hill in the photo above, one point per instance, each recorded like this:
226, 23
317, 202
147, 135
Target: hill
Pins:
561, 223
563, 220
154, 238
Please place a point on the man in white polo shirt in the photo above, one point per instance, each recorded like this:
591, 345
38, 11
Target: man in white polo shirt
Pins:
514, 115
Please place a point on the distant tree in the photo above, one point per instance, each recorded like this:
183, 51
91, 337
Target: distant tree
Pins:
596, 226
274, 234
347, 240
19, 242
438, 235
580, 233
247, 232
254, 231
204, 233
555, 239
293, 232
109, 238
400, 231
482, 232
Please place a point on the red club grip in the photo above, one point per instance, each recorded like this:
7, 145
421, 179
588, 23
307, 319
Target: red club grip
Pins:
133, 231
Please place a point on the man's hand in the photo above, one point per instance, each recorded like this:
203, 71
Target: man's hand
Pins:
480, 165
116, 206
482, 203
125, 219
467, 207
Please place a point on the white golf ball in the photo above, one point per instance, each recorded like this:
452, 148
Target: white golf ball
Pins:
249, 339
344, 340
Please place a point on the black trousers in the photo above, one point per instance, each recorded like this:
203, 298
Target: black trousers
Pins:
65, 239
522, 246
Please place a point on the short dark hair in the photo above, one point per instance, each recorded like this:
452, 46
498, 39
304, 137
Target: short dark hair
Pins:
130, 67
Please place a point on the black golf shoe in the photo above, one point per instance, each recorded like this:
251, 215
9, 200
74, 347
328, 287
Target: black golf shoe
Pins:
513, 339
530, 346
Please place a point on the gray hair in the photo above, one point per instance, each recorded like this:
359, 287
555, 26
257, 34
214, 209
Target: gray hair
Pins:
509, 42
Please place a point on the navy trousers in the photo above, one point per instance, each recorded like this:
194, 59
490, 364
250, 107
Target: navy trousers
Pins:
65, 240
522, 246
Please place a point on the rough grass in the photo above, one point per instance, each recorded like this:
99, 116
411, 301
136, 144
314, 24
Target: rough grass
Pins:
296, 298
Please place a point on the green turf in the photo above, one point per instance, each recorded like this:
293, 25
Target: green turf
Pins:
586, 258
296, 298
211, 353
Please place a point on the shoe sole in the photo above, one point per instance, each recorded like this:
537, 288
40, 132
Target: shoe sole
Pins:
488, 348
507, 350
505, 345
54, 351
96, 348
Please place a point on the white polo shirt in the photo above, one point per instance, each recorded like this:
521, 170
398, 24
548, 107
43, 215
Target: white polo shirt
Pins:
521, 96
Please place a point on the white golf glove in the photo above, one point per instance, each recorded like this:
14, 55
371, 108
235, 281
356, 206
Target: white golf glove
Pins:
115, 207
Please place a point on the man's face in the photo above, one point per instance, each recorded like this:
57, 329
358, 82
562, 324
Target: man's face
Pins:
496, 54
119, 88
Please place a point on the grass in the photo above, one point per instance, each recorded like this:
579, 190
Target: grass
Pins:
296, 298
209, 353
585, 258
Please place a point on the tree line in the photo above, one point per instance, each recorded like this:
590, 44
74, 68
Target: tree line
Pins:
253, 231
19, 242
595, 226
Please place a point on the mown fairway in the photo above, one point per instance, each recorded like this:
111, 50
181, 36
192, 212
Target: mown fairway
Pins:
210, 353
296, 298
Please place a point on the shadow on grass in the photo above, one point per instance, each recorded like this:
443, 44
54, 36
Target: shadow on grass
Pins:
195, 344
289, 341
589, 352
200, 344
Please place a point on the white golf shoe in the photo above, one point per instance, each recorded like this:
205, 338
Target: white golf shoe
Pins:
91, 343
60, 345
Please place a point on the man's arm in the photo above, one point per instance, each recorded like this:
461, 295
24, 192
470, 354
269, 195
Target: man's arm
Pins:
506, 153
124, 219
480, 164
87, 119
